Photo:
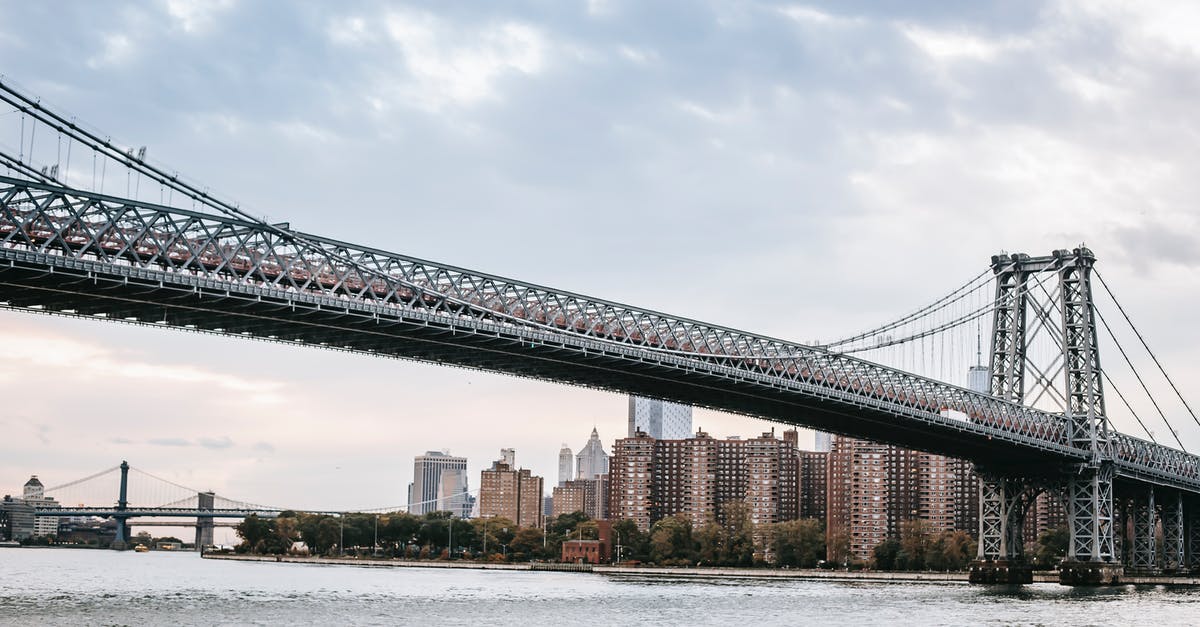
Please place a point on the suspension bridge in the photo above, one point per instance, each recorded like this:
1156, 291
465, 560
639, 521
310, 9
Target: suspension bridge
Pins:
1038, 422
141, 495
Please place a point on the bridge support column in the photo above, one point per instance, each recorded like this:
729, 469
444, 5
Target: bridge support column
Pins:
1174, 535
121, 541
204, 525
1091, 556
1142, 558
1192, 523
1002, 503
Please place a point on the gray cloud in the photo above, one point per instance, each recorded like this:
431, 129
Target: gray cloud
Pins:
220, 443
1149, 243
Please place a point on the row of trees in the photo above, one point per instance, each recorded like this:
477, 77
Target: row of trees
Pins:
920, 548
675, 541
672, 541
399, 534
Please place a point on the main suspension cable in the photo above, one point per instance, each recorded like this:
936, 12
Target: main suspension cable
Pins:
1147, 347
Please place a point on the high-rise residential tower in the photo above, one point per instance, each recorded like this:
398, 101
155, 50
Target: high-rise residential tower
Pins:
659, 419
592, 461
425, 493
511, 493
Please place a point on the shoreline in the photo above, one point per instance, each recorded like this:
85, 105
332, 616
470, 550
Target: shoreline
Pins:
675, 572
813, 574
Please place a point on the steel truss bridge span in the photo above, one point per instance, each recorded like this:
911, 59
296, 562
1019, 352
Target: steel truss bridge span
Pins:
72, 252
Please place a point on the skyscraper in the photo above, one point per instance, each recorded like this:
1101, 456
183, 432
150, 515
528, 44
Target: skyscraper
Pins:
659, 419
425, 493
566, 465
592, 461
452, 493
822, 442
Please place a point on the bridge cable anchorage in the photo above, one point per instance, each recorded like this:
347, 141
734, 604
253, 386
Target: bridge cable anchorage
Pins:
933, 307
1146, 346
1138, 375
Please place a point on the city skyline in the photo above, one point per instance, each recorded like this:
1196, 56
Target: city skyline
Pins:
751, 167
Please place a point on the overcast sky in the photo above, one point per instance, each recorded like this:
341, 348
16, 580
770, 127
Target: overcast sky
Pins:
800, 170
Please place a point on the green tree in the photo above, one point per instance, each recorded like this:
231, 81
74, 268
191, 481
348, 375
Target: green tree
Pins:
915, 543
799, 543
951, 550
398, 529
1051, 547
837, 545
738, 542
671, 541
710, 541
635, 545
499, 530
254, 532
886, 553
526, 544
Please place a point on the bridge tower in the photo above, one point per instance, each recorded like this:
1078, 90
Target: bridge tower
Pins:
121, 539
1087, 489
204, 524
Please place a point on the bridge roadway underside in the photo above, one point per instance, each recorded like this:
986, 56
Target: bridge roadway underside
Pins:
150, 296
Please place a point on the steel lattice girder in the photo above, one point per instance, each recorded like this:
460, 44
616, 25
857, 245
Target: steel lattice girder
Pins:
117, 245
1192, 522
1085, 390
1008, 328
1003, 501
1143, 555
1173, 531
1090, 514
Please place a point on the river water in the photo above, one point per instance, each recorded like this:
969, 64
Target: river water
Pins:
61, 586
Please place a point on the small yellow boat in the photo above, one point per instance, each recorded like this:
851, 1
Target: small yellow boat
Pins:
141, 548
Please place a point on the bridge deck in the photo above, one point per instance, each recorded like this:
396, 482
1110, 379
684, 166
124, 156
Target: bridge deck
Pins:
75, 253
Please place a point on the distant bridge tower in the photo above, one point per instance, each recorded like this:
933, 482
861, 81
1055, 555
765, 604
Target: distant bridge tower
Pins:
204, 524
1087, 488
121, 539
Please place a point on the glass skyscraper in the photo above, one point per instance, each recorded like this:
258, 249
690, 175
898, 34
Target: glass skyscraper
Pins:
659, 419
